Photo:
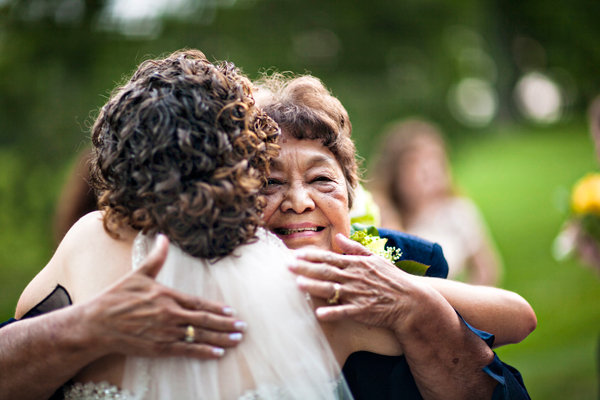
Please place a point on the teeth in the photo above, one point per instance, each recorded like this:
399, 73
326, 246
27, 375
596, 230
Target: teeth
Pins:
290, 231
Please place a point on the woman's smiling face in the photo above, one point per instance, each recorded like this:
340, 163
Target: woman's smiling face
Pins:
307, 199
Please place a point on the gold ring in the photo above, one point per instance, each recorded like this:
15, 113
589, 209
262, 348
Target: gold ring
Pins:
336, 294
190, 334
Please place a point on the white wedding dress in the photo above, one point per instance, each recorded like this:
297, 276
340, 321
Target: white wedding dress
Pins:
283, 355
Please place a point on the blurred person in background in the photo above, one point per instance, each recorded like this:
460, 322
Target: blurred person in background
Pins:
411, 181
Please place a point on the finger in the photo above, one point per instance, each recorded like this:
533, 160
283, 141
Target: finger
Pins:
210, 321
196, 350
319, 271
197, 304
217, 339
336, 313
327, 257
349, 246
316, 288
156, 258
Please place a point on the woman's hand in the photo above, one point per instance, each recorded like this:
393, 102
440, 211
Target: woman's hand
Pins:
444, 356
135, 316
374, 292
138, 316
371, 290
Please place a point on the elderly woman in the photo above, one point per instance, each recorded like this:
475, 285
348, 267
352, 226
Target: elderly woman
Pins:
309, 193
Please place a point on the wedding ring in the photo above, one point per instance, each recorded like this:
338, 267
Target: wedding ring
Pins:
336, 294
190, 334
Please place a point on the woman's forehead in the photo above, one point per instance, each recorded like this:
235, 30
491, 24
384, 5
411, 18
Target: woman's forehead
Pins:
303, 151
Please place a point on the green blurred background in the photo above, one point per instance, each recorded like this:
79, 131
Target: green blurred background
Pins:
509, 82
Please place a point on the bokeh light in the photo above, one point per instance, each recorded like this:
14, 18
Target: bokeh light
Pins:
539, 98
142, 18
473, 102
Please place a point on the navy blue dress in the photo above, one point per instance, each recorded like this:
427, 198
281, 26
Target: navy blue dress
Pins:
373, 376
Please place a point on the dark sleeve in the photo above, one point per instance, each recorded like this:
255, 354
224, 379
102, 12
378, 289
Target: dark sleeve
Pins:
374, 376
10, 321
510, 383
58, 298
417, 249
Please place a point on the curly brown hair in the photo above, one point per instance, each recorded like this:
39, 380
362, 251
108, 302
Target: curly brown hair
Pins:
181, 149
305, 109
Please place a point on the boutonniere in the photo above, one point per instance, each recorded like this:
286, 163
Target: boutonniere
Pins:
369, 237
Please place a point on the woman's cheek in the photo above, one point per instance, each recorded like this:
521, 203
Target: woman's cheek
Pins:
270, 207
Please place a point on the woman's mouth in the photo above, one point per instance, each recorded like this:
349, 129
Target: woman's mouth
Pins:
290, 231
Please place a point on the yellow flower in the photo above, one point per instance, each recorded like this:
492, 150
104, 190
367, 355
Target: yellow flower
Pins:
369, 237
377, 245
585, 198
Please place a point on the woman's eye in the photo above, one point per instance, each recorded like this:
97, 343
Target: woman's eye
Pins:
322, 178
273, 181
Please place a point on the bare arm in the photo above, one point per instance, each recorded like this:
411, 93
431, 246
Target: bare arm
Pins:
135, 316
505, 314
501, 312
445, 357
38, 355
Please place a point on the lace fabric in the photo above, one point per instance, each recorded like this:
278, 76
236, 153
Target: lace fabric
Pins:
96, 391
284, 353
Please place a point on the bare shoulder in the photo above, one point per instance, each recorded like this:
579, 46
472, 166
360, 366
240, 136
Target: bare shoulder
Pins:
54, 271
96, 259
87, 260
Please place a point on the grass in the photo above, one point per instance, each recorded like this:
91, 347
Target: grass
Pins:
521, 181
519, 177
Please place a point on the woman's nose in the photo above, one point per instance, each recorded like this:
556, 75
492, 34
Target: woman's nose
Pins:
298, 200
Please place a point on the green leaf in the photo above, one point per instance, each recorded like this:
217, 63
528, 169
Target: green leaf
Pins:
412, 267
369, 229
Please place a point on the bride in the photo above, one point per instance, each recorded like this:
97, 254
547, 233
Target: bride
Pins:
181, 152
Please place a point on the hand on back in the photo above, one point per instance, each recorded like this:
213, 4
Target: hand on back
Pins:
138, 316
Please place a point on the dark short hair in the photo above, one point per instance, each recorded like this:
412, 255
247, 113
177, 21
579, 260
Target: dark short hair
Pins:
305, 109
181, 149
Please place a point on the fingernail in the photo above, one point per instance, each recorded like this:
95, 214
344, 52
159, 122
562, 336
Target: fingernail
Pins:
240, 325
236, 337
228, 311
320, 312
217, 351
160, 238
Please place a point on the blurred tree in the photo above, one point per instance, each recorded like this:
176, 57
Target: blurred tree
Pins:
383, 59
